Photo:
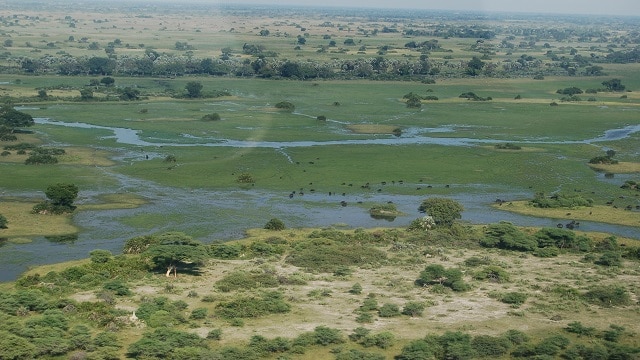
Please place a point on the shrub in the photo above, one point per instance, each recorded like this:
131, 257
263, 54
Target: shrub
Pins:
241, 280
492, 273
610, 258
354, 354
514, 298
476, 261
608, 296
226, 251
248, 307
215, 334
505, 235
547, 252
364, 318
413, 309
198, 314
356, 289
437, 275
576, 327
516, 337
275, 224
389, 310
100, 256
118, 287
285, 105
211, 117
325, 336
489, 346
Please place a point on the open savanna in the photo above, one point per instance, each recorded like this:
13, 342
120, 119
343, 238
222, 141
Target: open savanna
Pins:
553, 290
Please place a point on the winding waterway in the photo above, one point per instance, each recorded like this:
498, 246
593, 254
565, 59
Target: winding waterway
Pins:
225, 215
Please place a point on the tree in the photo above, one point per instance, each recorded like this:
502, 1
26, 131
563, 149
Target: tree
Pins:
174, 249
107, 81
443, 211
194, 89
3, 222
13, 118
86, 94
613, 85
62, 194
60, 199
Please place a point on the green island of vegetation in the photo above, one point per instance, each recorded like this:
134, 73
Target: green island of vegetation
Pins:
169, 135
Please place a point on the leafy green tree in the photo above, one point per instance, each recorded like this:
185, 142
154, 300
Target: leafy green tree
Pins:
107, 81
443, 211
194, 89
62, 194
86, 94
175, 249
3, 222
129, 93
614, 85
12, 118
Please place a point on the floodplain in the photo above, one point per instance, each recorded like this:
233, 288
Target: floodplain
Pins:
214, 120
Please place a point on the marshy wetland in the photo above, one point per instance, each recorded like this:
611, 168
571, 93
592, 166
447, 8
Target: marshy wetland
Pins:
197, 125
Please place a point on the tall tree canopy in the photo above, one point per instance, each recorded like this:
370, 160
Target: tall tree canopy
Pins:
13, 118
174, 249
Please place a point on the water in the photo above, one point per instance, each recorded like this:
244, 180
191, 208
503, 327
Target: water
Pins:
410, 137
222, 215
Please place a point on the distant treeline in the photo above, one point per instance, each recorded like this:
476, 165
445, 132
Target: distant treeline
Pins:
264, 64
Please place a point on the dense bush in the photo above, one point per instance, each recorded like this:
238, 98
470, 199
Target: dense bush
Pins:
490, 346
241, 280
325, 255
514, 298
560, 200
389, 310
249, 306
505, 235
285, 105
608, 296
413, 309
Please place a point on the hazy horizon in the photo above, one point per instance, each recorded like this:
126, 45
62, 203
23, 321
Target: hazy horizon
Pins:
612, 7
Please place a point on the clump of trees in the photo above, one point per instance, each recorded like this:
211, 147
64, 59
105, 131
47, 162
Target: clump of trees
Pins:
605, 159
3, 222
60, 199
559, 200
